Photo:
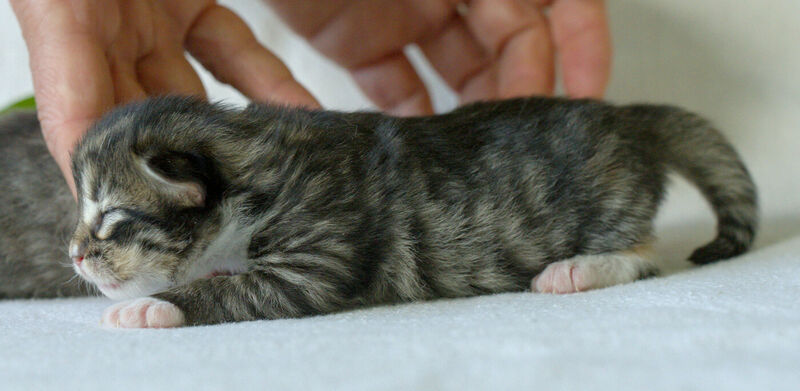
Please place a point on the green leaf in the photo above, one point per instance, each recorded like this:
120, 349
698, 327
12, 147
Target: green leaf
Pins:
27, 103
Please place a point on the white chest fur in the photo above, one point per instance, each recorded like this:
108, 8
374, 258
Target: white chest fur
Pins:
226, 254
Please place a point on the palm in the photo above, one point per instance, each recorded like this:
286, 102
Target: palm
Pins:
496, 49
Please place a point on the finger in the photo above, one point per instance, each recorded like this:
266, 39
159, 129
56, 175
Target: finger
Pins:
184, 13
168, 72
100, 18
126, 82
164, 69
121, 56
394, 86
525, 66
455, 54
367, 31
309, 17
224, 44
70, 75
481, 86
517, 35
580, 31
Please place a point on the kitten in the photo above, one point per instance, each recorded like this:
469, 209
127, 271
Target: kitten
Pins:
222, 215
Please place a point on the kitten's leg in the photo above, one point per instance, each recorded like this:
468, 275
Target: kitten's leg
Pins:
312, 285
586, 272
146, 312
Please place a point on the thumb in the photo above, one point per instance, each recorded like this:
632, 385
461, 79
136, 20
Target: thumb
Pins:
71, 77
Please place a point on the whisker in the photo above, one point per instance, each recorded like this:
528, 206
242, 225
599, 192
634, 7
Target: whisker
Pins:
71, 279
65, 264
94, 291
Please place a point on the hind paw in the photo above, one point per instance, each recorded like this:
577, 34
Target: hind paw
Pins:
587, 272
563, 277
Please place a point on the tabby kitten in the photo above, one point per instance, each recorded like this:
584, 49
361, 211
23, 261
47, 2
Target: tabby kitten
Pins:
222, 215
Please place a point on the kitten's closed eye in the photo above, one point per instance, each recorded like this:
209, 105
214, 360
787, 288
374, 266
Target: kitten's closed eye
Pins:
106, 223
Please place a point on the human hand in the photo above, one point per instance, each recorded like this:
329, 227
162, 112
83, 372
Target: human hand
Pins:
491, 49
87, 56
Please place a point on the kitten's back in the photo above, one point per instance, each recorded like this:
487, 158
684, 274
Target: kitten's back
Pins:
37, 214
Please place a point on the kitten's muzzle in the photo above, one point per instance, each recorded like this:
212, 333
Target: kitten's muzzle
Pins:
77, 251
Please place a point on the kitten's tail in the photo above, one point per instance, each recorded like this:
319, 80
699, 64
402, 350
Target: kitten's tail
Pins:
691, 146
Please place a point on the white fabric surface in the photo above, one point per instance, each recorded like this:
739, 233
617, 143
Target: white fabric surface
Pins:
732, 325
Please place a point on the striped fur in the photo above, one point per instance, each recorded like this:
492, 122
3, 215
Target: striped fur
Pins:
272, 212
37, 215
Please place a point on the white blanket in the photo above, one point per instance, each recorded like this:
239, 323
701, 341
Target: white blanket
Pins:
731, 325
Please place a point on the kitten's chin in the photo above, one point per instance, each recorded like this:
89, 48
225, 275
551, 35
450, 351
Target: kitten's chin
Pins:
131, 289
140, 286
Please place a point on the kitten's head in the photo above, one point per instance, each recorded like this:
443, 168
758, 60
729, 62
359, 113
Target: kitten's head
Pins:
149, 192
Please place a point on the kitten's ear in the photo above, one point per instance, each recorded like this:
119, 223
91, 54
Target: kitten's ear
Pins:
182, 176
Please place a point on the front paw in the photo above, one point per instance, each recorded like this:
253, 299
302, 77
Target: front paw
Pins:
146, 312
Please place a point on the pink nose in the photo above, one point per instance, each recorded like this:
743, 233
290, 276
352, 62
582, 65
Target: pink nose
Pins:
77, 252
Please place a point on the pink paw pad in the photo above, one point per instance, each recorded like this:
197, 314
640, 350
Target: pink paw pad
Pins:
563, 277
143, 313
